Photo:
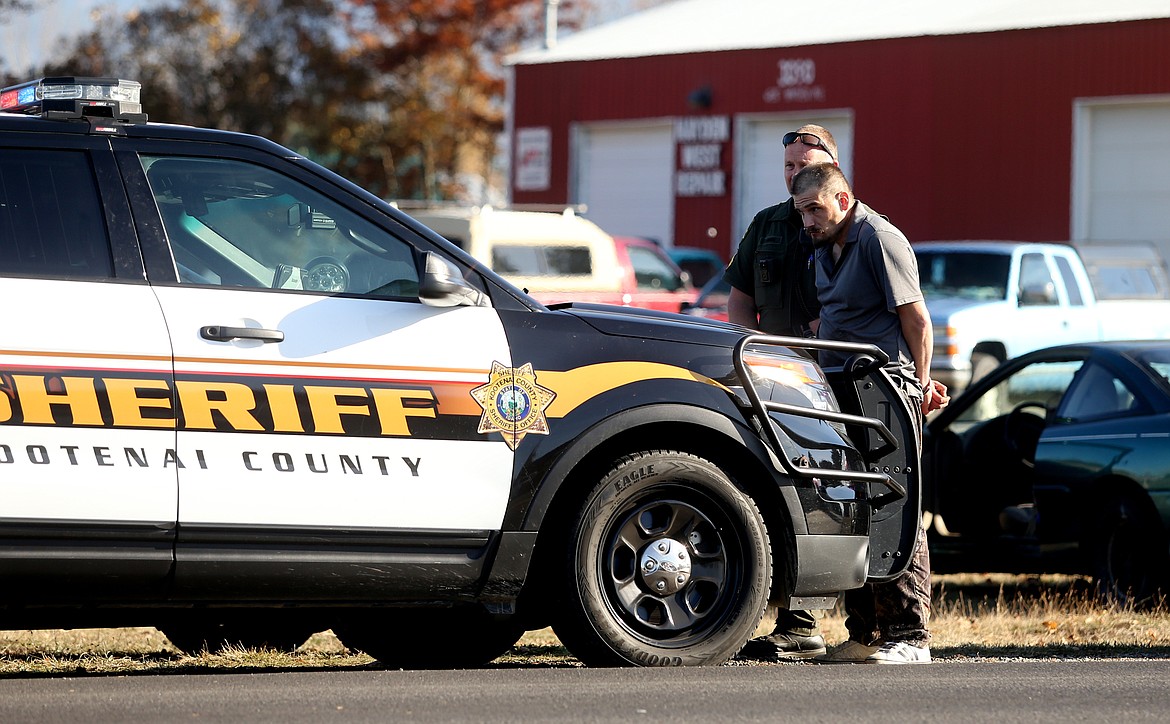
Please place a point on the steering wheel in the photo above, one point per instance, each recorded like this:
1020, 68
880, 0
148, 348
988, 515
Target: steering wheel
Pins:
1021, 430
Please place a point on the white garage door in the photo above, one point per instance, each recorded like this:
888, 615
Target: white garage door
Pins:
1121, 170
624, 174
760, 160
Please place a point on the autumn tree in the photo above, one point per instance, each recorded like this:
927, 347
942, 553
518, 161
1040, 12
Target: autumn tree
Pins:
8, 6
439, 79
9, 9
406, 97
245, 65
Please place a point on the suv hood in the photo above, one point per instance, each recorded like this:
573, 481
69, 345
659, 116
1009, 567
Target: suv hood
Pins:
652, 324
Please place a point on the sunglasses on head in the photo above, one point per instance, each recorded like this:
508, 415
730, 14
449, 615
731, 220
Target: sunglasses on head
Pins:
808, 139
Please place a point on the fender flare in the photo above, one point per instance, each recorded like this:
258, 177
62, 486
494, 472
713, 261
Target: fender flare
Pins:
509, 568
733, 431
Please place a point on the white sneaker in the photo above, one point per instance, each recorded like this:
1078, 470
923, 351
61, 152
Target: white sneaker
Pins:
850, 652
899, 652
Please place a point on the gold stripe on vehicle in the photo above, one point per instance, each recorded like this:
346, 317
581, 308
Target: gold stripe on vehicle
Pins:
576, 386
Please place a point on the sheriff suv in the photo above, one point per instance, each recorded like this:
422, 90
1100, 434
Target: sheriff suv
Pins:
241, 399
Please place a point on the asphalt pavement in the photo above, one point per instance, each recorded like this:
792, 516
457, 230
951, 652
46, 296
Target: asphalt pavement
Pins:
1031, 691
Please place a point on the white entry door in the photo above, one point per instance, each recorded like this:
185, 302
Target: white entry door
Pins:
624, 175
1121, 181
760, 161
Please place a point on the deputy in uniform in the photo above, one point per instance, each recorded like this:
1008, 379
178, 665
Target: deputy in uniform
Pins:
774, 290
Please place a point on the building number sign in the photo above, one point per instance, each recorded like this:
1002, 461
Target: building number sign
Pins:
795, 83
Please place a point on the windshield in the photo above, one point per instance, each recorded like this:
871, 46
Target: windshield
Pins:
967, 275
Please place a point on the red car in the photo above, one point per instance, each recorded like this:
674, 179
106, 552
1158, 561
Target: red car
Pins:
651, 279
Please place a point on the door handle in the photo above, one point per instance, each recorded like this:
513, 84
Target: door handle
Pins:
216, 333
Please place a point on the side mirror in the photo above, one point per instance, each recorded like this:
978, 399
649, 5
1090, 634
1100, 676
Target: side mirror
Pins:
443, 285
1038, 294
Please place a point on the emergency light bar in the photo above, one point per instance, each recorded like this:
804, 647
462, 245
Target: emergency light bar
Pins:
69, 97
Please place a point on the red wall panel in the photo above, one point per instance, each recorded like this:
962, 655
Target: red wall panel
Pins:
966, 136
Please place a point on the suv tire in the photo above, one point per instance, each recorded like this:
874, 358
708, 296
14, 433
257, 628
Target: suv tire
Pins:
1128, 551
667, 564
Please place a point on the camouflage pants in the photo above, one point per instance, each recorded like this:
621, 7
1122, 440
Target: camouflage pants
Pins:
897, 610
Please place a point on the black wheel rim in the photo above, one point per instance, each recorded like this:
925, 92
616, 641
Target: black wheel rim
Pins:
670, 566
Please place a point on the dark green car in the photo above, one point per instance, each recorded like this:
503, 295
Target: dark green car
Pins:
1059, 462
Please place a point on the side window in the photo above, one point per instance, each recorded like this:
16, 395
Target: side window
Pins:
1129, 281
1097, 393
51, 218
233, 223
538, 260
1044, 382
1070, 282
569, 261
1036, 285
516, 260
651, 272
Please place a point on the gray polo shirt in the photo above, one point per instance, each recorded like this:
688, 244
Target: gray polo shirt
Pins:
859, 295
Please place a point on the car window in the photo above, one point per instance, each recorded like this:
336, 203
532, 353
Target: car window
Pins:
1096, 393
1157, 361
1162, 369
974, 275
1043, 382
541, 260
234, 223
1070, 282
1036, 284
651, 271
1129, 282
51, 219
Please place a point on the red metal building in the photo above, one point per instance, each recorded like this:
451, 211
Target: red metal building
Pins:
1051, 122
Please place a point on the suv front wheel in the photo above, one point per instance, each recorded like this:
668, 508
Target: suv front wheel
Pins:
667, 564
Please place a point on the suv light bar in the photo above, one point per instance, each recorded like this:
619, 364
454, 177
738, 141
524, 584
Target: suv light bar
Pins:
70, 97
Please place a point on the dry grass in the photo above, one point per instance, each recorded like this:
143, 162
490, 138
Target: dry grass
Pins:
975, 617
145, 650
1038, 616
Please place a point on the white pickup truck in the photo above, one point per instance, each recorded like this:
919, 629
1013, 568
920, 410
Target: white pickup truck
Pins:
990, 301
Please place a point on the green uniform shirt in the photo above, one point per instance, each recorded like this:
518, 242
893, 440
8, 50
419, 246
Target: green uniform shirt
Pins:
775, 267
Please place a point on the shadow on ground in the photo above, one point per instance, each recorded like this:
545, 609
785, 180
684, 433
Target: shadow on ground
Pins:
1049, 651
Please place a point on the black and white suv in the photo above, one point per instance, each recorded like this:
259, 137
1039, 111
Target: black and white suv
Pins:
242, 399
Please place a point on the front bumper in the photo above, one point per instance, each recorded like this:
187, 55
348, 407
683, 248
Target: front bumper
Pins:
829, 564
